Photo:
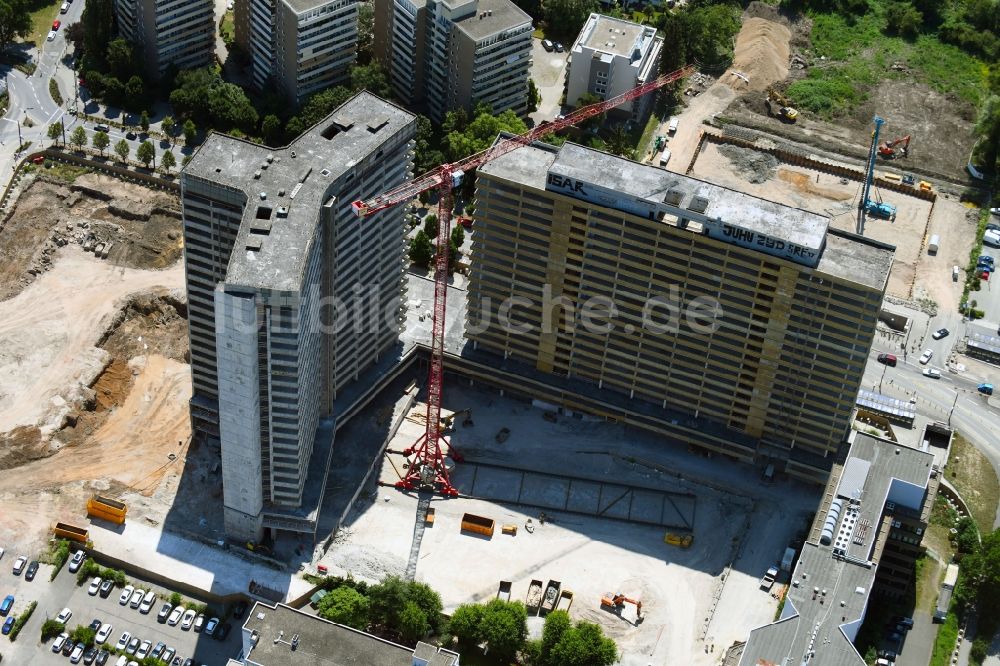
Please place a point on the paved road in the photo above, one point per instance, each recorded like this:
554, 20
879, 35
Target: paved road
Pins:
919, 641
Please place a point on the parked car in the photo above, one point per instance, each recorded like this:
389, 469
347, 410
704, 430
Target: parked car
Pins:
143, 650
940, 333
56, 24
102, 657
887, 359
60, 640
933, 373
168, 655
133, 645
95, 586
89, 655
211, 626
175, 616
126, 595
67, 648
100, 128
64, 615
158, 649
95, 624
5, 606
8, 624
104, 634
991, 238
51, 37
188, 619
32, 569
199, 622
239, 609
147, 602
19, 565
926, 356
547, 44
164, 613
222, 631
106, 588
123, 641
77, 653
559, 47
77, 560
136, 599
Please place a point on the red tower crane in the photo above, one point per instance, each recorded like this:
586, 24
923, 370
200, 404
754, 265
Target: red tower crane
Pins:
428, 468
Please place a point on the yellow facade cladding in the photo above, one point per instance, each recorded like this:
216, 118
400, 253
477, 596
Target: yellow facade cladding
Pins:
783, 365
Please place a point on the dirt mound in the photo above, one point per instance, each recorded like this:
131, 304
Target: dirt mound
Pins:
153, 322
22, 445
761, 55
112, 386
755, 166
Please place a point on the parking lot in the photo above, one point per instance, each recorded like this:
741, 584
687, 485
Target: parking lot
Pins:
63, 592
548, 71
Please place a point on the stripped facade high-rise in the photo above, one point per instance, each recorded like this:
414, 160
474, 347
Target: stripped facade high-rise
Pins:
168, 33
290, 299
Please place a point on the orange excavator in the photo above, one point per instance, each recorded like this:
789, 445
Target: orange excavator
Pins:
892, 149
618, 601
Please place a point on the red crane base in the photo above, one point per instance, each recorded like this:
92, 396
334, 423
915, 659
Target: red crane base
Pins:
428, 470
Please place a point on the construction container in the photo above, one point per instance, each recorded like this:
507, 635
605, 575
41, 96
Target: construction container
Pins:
932, 246
477, 524
71, 532
107, 509
503, 591
533, 599
551, 596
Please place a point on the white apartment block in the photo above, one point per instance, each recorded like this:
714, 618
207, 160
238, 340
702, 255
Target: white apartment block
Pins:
610, 57
179, 33
291, 298
302, 46
455, 54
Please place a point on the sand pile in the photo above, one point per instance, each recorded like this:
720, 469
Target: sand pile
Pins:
762, 51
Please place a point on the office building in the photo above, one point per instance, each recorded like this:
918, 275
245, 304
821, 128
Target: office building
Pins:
165, 33
290, 297
874, 511
741, 326
281, 635
299, 46
456, 54
611, 56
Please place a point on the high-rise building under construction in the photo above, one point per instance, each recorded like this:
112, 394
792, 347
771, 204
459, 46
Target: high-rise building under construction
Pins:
738, 325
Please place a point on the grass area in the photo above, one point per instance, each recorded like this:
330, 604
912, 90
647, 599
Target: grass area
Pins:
945, 642
646, 137
974, 477
65, 172
858, 56
928, 574
43, 13
54, 92
539, 33
972, 281
227, 28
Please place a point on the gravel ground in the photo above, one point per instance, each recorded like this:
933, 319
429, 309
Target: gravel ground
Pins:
752, 165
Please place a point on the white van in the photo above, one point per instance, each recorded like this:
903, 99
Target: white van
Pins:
665, 157
672, 128
64, 8
932, 246
147, 602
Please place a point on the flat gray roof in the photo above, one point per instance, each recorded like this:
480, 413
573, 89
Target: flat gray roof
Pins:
301, 6
827, 598
321, 643
300, 177
845, 256
505, 16
610, 35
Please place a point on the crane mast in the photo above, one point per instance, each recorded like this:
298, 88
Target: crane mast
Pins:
428, 469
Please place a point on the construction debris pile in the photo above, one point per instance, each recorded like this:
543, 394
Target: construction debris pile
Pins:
754, 166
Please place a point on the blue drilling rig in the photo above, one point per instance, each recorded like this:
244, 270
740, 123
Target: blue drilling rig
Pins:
878, 208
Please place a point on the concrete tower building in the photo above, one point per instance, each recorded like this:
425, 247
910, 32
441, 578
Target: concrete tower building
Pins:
168, 32
611, 56
739, 325
290, 298
452, 54
302, 46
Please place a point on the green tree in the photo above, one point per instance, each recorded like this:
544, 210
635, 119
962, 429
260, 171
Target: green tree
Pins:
98, 27
431, 225
79, 137
673, 56
318, 107
481, 133
366, 31
566, 17
426, 154
205, 97
458, 235
83, 635
135, 93
594, 122
121, 60
504, 627
175, 597
168, 126
168, 161
387, 600
428, 601
583, 645
903, 19
709, 32
146, 153
55, 131
122, 150
534, 97
144, 121
270, 129
465, 623
557, 623
421, 249
413, 624
101, 141
618, 142
988, 131
51, 629
15, 21
190, 132
455, 121
345, 605
371, 77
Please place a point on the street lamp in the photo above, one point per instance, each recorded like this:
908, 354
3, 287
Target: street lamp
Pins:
953, 404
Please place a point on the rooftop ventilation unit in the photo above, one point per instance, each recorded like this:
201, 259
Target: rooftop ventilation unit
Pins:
282, 211
270, 158
698, 204
830, 524
673, 197
253, 243
337, 126
377, 123
256, 175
